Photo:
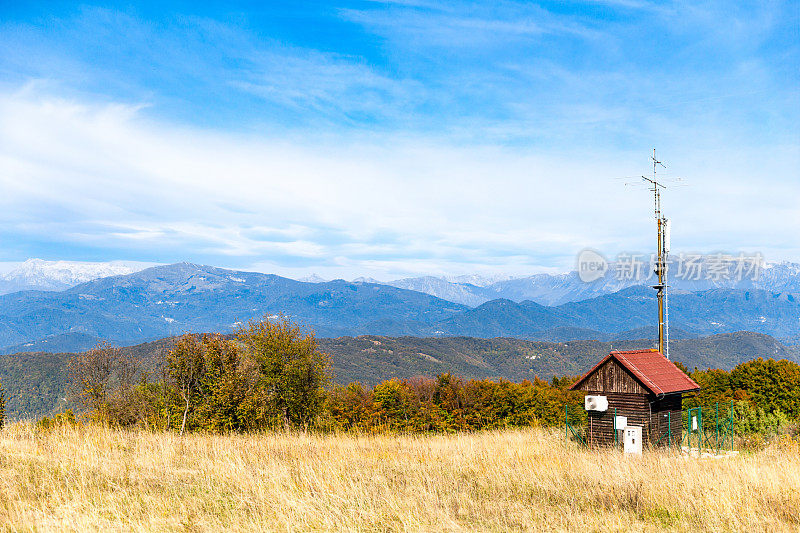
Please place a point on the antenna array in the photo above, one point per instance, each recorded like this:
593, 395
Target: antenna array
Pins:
661, 261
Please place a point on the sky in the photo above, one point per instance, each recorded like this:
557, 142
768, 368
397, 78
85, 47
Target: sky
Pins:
393, 139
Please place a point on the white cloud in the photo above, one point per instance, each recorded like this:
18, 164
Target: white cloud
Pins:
107, 177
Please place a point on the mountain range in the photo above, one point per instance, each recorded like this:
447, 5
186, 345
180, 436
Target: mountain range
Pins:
470, 290
171, 299
557, 289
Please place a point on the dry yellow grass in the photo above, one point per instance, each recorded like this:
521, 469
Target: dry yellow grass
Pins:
91, 478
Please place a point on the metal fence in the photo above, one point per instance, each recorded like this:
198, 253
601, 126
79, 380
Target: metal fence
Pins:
708, 429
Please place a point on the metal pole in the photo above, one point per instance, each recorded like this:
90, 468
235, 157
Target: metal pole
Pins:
689, 429
717, 416
700, 431
615, 425
730, 416
566, 425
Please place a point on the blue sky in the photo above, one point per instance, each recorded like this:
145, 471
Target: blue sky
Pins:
398, 138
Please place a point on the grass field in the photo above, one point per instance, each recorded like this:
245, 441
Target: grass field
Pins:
83, 479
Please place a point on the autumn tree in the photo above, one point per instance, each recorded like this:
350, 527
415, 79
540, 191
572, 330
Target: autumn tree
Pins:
101, 380
229, 378
292, 372
185, 366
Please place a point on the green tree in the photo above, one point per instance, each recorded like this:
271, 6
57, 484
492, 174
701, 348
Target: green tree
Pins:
395, 404
772, 385
292, 373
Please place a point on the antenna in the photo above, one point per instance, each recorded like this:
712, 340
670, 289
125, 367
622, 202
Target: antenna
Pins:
661, 261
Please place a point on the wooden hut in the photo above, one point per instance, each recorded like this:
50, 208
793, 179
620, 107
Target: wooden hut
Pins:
644, 387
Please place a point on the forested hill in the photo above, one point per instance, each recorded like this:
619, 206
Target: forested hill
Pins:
35, 382
371, 359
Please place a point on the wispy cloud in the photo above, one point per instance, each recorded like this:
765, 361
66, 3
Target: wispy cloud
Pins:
396, 138
106, 177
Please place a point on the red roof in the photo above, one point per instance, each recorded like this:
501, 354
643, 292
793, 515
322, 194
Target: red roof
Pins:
655, 372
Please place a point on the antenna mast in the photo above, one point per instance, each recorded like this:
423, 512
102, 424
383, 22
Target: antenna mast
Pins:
660, 267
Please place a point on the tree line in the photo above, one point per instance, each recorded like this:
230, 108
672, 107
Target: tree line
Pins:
273, 375
761, 396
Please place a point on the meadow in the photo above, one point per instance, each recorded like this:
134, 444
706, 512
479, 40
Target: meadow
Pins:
91, 478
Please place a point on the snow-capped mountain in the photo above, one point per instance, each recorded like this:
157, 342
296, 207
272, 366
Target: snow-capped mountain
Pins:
477, 279
364, 279
173, 299
463, 293
313, 278
557, 289
37, 274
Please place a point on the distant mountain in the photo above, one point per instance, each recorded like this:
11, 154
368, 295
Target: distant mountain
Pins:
35, 382
463, 293
313, 278
690, 314
557, 289
471, 290
172, 299
502, 318
549, 289
36, 274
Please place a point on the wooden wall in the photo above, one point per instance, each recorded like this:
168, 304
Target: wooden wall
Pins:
612, 377
600, 424
641, 410
666, 411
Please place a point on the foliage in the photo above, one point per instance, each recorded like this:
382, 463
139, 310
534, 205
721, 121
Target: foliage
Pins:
36, 383
209, 380
67, 418
103, 382
291, 373
185, 370
748, 419
768, 387
271, 375
448, 403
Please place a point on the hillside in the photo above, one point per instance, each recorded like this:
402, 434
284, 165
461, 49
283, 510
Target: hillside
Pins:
35, 382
